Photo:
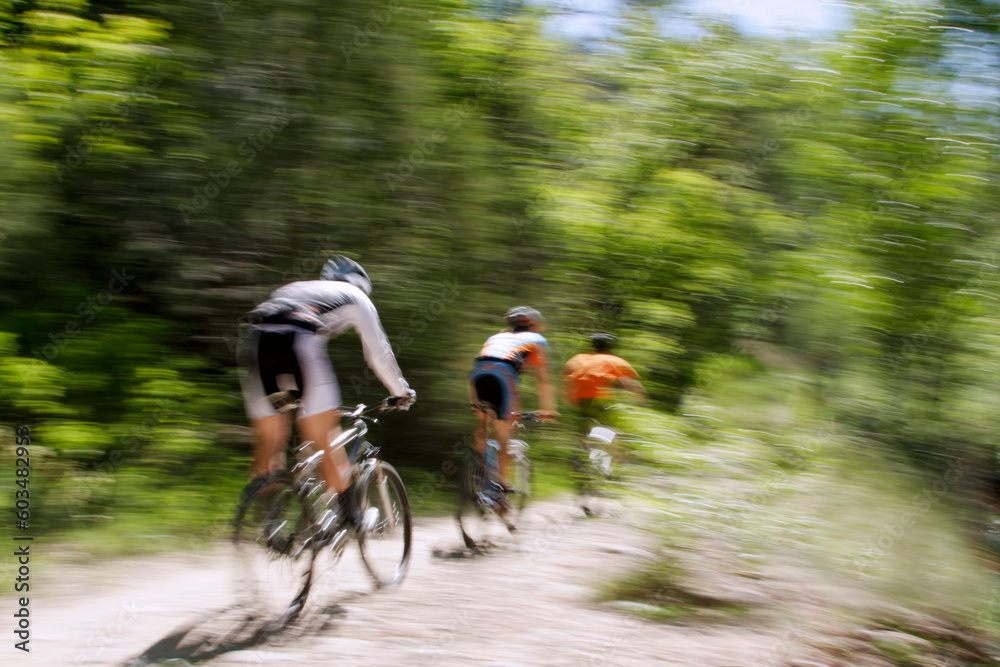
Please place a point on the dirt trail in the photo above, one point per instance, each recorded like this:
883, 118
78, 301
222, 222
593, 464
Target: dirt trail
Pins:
528, 602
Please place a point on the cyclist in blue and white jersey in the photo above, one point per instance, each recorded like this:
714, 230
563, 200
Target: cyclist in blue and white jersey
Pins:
493, 381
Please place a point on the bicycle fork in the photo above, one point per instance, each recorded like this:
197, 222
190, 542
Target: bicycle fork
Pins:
390, 515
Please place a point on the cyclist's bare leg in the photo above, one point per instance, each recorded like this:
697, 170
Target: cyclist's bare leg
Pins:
324, 428
270, 435
484, 415
480, 432
501, 431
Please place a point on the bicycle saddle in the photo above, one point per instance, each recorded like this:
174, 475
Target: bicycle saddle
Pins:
285, 401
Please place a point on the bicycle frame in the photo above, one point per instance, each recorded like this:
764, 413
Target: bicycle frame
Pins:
479, 495
383, 534
353, 434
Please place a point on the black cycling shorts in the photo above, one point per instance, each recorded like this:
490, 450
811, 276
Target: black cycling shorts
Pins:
283, 357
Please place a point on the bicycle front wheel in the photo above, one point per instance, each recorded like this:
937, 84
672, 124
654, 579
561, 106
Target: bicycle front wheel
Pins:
274, 536
386, 525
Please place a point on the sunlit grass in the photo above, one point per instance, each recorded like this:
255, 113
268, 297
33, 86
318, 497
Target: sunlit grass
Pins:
662, 596
762, 490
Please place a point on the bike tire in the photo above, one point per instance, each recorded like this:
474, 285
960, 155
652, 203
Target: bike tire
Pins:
386, 531
596, 470
480, 519
274, 535
472, 514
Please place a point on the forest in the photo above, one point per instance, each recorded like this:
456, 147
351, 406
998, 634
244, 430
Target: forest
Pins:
795, 240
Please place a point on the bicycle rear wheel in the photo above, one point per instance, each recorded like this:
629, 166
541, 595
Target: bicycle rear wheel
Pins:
596, 468
484, 515
274, 535
472, 512
386, 525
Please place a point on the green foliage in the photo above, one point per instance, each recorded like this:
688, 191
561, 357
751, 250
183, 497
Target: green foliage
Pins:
776, 513
825, 207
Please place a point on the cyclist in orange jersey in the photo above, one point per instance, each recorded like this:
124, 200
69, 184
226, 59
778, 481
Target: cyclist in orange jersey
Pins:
590, 380
589, 383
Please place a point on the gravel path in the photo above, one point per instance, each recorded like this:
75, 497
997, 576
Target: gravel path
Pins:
528, 602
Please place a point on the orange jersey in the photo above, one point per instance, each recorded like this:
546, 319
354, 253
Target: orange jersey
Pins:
594, 375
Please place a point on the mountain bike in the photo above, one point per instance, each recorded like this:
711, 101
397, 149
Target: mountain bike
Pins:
595, 464
278, 529
485, 509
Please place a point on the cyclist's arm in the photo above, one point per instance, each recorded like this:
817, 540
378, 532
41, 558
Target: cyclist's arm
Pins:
567, 382
539, 362
634, 386
546, 390
378, 351
629, 380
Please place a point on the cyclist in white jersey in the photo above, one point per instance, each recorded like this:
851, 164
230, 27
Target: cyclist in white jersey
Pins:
285, 357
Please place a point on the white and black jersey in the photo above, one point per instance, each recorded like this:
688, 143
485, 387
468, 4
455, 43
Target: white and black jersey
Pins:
289, 339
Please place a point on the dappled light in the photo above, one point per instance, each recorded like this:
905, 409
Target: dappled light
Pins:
783, 235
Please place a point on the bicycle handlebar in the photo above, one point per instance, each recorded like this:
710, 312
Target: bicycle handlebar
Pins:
385, 405
529, 416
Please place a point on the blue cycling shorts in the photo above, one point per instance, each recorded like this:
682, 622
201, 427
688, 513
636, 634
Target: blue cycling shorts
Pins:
495, 383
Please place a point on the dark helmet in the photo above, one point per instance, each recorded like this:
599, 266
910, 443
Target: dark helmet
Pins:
522, 317
603, 341
347, 270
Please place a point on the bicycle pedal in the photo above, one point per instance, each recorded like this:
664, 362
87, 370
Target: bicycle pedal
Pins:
503, 489
502, 506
